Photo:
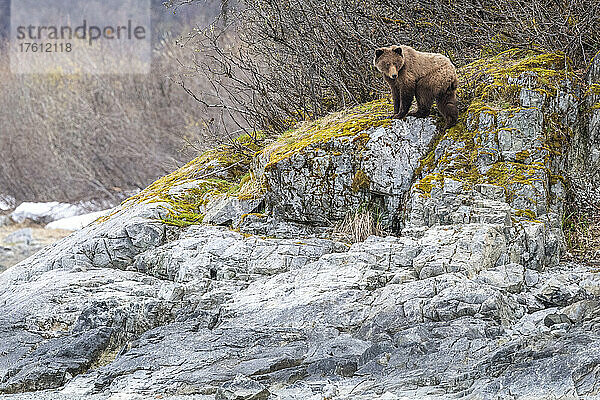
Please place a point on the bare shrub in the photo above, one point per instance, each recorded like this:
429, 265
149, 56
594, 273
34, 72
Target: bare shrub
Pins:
298, 59
71, 137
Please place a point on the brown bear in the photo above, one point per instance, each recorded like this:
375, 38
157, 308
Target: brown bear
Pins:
428, 76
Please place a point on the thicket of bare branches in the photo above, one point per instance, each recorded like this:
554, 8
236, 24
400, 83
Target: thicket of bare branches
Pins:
264, 65
295, 59
72, 137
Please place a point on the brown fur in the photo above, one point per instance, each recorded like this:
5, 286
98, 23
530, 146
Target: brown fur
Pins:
426, 76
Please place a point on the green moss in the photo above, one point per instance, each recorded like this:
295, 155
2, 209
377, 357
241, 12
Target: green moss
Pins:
503, 174
185, 209
360, 181
526, 214
428, 163
521, 156
478, 106
556, 135
489, 87
199, 185
425, 185
460, 133
345, 123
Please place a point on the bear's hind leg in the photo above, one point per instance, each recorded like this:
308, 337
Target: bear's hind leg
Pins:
424, 102
447, 104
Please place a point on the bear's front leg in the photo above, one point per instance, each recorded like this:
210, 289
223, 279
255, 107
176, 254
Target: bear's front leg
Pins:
405, 103
396, 98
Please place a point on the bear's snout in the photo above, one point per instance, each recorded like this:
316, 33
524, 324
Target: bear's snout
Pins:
394, 76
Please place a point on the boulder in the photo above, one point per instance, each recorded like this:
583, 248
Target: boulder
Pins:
7, 202
320, 184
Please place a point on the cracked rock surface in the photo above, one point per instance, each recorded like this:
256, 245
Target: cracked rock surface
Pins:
214, 314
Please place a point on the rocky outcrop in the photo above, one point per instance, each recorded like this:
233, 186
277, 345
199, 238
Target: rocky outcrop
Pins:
469, 299
214, 312
322, 182
517, 148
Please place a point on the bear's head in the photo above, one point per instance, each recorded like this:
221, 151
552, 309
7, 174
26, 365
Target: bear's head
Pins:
389, 61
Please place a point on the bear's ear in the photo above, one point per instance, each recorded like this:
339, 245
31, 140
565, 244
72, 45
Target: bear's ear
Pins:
398, 50
378, 53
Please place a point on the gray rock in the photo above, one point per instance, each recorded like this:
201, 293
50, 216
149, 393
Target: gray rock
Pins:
323, 182
266, 225
450, 204
242, 388
7, 202
217, 253
213, 313
5, 220
521, 132
532, 278
229, 210
532, 324
95, 307
559, 291
17, 245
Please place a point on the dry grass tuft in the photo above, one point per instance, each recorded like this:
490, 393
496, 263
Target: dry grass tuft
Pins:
582, 235
359, 225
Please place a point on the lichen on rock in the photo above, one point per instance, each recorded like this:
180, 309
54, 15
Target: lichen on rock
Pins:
521, 109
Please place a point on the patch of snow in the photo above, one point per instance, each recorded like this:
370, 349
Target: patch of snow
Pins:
77, 222
45, 212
